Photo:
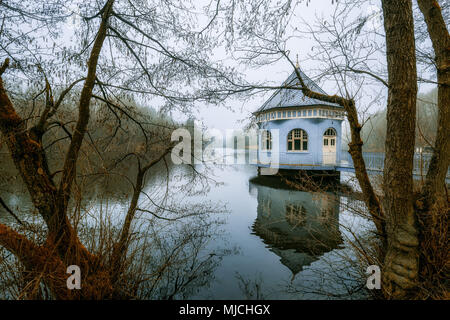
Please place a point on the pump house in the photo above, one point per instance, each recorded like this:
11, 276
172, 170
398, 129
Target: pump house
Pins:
304, 133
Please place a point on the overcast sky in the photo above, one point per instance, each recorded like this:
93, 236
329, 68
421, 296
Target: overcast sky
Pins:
237, 111
220, 118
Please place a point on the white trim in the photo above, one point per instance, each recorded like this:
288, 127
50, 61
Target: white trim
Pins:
272, 115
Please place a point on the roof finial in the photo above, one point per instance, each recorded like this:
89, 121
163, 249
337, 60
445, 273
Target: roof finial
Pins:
297, 65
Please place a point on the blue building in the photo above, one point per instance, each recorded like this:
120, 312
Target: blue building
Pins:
297, 132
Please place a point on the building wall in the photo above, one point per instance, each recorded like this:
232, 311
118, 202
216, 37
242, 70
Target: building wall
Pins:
315, 128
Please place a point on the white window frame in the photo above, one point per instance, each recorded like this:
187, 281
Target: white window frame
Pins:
266, 140
297, 134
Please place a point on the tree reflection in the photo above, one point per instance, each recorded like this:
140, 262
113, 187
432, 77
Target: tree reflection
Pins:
167, 256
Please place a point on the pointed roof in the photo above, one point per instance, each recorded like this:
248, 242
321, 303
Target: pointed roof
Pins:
284, 98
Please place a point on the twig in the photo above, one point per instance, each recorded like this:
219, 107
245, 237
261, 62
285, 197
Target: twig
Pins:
4, 205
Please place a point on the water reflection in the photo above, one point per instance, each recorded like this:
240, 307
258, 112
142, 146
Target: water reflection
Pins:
166, 258
297, 226
268, 235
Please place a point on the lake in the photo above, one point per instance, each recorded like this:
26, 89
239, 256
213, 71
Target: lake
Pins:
261, 238
288, 244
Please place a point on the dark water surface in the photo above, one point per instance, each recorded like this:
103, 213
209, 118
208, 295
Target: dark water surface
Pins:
290, 244
280, 243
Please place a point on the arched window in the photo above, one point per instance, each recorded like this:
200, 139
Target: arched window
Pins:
329, 138
297, 140
330, 132
266, 140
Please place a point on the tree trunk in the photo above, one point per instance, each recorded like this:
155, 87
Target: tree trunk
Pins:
433, 204
400, 272
60, 229
62, 247
435, 181
355, 149
120, 249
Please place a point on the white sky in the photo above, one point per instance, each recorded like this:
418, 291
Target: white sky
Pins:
231, 117
221, 118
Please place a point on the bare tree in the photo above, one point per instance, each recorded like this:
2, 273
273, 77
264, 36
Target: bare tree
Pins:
347, 58
117, 67
143, 49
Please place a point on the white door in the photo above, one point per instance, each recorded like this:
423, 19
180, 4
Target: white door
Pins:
329, 147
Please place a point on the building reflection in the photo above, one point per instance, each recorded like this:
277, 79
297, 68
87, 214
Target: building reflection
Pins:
297, 226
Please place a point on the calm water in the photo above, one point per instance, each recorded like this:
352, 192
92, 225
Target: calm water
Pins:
272, 242
290, 244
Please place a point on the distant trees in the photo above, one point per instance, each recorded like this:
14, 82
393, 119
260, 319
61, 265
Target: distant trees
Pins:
374, 131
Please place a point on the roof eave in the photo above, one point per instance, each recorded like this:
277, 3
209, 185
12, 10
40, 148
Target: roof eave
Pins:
304, 106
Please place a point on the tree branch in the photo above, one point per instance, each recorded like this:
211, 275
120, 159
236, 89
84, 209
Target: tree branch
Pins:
435, 180
83, 116
3, 204
355, 149
121, 247
4, 66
